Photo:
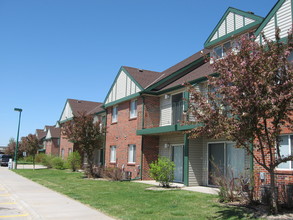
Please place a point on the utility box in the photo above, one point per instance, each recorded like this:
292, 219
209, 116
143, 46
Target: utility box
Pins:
10, 164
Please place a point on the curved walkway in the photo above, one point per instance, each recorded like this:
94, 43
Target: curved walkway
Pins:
21, 198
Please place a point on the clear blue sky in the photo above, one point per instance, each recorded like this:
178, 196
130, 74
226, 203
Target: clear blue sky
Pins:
51, 50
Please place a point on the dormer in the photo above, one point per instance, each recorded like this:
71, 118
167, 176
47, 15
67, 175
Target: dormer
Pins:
233, 24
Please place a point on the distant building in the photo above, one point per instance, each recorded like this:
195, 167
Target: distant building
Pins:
2, 149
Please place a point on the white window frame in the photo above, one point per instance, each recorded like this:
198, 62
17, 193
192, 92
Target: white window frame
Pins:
131, 153
290, 153
115, 114
133, 109
113, 149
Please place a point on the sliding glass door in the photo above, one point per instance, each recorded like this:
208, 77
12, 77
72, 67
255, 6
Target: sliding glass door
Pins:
225, 159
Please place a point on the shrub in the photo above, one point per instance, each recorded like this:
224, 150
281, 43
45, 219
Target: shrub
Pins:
163, 171
99, 172
39, 158
47, 161
115, 174
58, 163
74, 161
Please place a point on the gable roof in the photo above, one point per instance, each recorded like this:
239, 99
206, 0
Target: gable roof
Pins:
97, 109
179, 70
233, 22
269, 16
128, 83
143, 77
199, 73
40, 134
79, 106
55, 132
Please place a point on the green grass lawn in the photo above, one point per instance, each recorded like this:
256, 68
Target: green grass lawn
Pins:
129, 200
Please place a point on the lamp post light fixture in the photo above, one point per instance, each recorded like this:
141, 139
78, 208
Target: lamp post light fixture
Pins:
16, 148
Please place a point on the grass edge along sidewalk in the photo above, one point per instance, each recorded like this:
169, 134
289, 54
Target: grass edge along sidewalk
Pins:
129, 200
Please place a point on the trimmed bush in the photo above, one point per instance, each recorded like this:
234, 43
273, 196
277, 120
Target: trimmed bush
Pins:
58, 163
74, 161
162, 171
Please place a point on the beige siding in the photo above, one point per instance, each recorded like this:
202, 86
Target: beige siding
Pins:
230, 22
284, 18
196, 162
171, 139
269, 30
165, 111
123, 87
215, 36
222, 29
248, 21
239, 21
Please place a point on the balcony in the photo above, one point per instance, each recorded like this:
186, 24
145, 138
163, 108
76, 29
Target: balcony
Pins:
162, 119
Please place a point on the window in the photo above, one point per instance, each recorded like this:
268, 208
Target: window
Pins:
133, 109
286, 149
69, 151
222, 50
114, 114
131, 153
113, 154
62, 153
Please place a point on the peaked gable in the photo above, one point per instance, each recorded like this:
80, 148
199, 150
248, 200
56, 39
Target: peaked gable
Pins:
67, 112
123, 86
233, 22
280, 16
48, 136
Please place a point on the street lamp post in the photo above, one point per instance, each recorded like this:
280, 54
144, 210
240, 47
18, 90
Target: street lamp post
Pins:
16, 148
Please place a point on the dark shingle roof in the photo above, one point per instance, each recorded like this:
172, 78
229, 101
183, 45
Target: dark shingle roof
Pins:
55, 132
40, 134
185, 62
97, 109
202, 71
80, 106
143, 77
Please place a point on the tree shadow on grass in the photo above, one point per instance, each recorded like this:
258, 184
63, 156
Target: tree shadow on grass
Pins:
231, 212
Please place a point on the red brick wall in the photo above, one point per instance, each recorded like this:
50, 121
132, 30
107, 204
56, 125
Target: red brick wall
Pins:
64, 144
150, 154
282, 177
52, 147
121, 134
152, 112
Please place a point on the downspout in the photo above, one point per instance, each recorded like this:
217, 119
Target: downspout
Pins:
141, 157
104, 144
251, 166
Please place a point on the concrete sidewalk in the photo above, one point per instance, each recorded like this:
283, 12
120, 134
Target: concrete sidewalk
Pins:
201, 189
21, 198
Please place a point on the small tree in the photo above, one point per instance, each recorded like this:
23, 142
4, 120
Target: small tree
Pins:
250, 102
30, 144
11, 148
74, 161
162, 171
86, 135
